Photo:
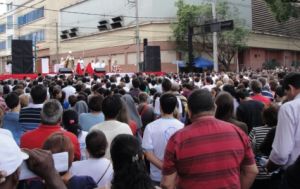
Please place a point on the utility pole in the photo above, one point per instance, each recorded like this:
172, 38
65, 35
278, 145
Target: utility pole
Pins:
57, 48
137, 33
215, 40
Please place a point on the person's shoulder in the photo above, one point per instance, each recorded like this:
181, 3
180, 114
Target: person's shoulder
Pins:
71, 135
97, 126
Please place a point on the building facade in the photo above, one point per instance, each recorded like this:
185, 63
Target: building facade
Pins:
105, 31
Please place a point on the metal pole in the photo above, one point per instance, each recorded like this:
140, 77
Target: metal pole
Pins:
215, 40
237, 62
137, 32
57, 48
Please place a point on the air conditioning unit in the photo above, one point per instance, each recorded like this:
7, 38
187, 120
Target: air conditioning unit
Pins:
103, 25
118, 22
73, 32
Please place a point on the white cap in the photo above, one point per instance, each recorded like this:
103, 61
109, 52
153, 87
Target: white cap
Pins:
10, 153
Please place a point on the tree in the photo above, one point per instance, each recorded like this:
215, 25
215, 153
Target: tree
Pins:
283, 10
229, 42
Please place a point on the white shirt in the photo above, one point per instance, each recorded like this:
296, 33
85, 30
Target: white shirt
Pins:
82, 144
111, 129
156, 137
69, 90
94, 168
208, 87
286, 145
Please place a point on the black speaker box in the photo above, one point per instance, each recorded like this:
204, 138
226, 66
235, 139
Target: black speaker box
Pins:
65, 71
152, 61
22, 58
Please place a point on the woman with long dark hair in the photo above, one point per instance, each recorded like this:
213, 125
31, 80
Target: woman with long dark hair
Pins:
128, 164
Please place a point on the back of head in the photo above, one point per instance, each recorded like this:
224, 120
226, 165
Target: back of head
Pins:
12, 100
256, 86
230, 89
38, 94
52, 112
95, 103
111, 106
70, 122
292, 79
200, 101
224, 102
270, 115
96, 144
128, 164
58, 142
136, 83
143, 97
168, 103
166, 85
72, 100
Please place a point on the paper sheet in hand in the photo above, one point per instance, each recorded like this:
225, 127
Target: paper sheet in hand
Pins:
61, 161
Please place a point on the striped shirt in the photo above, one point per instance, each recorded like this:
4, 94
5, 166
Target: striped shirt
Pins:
257, 136
208, 154
30, 118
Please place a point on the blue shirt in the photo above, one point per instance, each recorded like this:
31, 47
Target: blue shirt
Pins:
11, 123
87, 120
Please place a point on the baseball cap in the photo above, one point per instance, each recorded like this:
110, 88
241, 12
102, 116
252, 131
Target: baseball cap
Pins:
10, 153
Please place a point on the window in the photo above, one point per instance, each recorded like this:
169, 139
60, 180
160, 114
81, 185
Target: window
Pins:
9, 6
36, 37
9, 22
2, 45
9, 39
2, 28
31, 16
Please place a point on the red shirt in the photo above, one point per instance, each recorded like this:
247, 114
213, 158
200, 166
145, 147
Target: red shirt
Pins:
261, 98
37, 137
208, 154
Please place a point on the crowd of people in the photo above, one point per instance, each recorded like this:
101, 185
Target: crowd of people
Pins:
185, 131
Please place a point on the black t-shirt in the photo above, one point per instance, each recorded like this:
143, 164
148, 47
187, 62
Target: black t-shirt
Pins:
250, 112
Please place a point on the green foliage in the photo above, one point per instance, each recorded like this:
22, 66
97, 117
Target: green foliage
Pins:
271, 64
283, 10
229, 42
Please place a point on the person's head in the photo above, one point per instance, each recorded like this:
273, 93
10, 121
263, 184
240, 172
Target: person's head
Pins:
96, 144
51, 112
95, 103
270, 115
56, 92
38, 94
256, 86
166, 85
12, 100
72, 100
291, 85
24, 100
168, 103
111, 106
70, 122
128, 163
58, 142
224, 102
242, 94
136, 83
200, 102
143, 97
10, 161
